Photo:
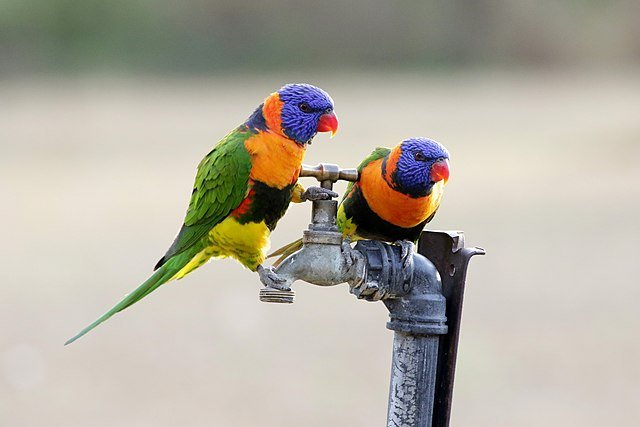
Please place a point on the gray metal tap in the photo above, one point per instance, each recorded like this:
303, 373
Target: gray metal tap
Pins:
325, 259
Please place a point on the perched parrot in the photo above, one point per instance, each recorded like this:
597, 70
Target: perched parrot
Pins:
243, 187
397, 193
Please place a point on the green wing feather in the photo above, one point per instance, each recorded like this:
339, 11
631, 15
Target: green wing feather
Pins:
288, 249
377, 153
221, 185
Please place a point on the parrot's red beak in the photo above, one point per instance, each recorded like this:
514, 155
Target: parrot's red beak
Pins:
440, 171
328, 123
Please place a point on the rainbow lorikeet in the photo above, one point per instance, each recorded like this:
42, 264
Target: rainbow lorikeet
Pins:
397, 193
243, 187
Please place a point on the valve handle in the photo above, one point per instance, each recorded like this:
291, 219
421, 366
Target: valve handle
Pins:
329, 172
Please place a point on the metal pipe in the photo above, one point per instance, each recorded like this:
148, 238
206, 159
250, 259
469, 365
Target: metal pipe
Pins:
417, 319
424, 347
413, 380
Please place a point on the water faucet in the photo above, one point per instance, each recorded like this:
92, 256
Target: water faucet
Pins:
325, 258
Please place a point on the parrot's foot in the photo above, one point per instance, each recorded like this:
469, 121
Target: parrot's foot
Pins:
347, 252
407, 252
270, 278
318, 193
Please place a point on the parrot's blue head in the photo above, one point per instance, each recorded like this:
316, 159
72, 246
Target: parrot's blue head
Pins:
415, 165
299, 111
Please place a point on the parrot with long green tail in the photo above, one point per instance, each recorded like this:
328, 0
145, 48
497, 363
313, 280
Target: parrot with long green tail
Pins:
397, 193
242, 188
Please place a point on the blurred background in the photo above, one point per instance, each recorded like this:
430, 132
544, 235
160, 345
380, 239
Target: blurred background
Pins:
106, 107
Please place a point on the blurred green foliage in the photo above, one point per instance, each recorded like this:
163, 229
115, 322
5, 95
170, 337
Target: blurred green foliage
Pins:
39, 36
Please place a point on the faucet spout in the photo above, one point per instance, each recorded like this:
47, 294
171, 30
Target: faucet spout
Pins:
324, 260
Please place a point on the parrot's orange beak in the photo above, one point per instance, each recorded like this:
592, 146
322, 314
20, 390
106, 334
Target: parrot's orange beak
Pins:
440, 171
328, 123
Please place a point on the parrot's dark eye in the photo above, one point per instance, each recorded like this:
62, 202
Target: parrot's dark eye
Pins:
305, 108
420, 157
328, 110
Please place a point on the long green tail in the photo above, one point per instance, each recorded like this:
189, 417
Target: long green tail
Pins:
285, 251
157, 279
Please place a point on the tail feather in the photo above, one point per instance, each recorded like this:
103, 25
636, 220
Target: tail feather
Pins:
157, 279
285, 251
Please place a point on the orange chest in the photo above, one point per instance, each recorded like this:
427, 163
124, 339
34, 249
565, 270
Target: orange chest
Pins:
275, 161
393, 206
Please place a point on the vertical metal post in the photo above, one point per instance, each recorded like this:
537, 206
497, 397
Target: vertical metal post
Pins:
424, 346
413, 380
417, 319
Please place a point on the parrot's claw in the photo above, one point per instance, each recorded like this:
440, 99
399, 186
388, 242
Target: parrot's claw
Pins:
318, 193
407, 252
270, 278
347, 252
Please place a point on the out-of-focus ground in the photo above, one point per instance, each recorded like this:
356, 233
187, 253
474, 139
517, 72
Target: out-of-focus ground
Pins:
95, 175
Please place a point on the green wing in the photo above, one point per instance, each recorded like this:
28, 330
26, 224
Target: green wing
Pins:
221, 185
377, 153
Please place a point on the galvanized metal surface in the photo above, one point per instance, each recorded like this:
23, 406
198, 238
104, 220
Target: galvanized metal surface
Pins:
280, 296
323, 217
322, 264
421, 311
413, 369
385, 276
329, 172
418, 319
323, 260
